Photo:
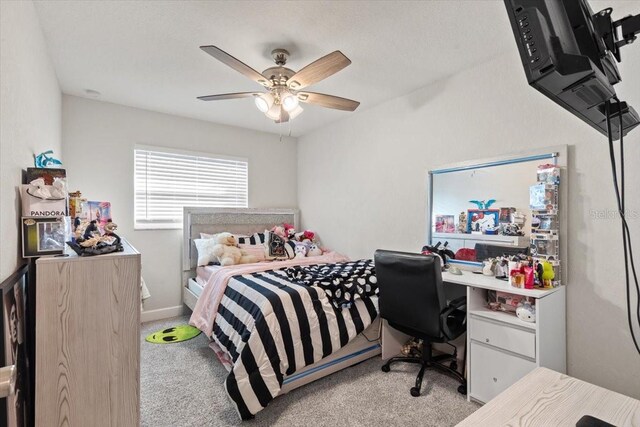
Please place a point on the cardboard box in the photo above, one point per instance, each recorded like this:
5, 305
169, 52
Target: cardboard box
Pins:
49, 174
44, 236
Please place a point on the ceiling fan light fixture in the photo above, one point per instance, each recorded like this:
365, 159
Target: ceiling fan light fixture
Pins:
264, 102
289, 102
274, 112
295, 112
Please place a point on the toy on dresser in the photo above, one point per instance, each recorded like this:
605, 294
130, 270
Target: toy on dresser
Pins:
526, 312
88, 240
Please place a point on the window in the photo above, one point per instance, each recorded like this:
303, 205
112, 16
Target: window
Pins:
167, 180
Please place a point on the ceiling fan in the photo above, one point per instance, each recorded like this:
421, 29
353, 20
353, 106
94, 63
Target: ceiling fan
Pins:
284, 86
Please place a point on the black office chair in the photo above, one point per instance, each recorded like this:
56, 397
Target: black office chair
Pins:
412, 300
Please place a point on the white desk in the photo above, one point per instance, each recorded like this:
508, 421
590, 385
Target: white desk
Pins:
501, 348
547, 398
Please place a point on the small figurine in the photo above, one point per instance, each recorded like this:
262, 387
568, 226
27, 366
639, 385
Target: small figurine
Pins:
548, 274
462, 222
488, 268
502, 267
512, 230
483, 205
518, 218
110, 227
91, 228
43, 160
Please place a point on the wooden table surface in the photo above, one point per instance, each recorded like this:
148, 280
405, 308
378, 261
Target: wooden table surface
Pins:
548, 398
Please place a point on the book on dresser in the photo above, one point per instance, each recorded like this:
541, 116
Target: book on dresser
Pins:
87, 369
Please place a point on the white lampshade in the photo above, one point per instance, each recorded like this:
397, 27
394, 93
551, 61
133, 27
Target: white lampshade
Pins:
289, 102
295, 112
264, 102
274, 112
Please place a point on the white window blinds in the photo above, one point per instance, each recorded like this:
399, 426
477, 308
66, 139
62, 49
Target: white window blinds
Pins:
167, 181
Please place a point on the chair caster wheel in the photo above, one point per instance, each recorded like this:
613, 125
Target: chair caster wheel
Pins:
415, 392
385, 368
462, 389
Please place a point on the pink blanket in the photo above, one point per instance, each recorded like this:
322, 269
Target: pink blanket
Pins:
204, 314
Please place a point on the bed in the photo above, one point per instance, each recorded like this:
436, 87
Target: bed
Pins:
272, 333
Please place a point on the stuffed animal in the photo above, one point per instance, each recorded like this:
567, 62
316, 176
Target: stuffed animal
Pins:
314, 250
301, 249
526, 312
279, 231
228, 252
289, 230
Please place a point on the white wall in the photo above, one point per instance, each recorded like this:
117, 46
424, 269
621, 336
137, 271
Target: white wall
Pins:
30, 110
98, 140
373, 189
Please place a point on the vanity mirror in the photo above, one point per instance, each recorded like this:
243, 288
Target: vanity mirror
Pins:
482, 209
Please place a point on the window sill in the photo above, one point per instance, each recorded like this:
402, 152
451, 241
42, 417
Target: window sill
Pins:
148, 227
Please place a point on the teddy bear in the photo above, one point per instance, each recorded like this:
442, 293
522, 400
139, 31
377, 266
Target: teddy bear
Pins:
228, 252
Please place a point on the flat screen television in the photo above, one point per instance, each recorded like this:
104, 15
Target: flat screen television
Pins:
569, 54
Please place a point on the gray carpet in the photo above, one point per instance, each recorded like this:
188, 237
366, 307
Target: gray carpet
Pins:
182, 385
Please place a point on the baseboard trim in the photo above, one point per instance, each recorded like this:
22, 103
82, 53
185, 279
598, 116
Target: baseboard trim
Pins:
162, 313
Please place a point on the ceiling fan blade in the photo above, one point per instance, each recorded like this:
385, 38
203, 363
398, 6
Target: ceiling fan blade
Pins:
318, 70
237, 65
228, 96
328, 101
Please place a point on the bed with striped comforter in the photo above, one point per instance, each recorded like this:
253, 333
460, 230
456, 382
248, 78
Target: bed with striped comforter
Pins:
268, 327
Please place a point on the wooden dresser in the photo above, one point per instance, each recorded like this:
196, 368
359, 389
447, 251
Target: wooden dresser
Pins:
87, 370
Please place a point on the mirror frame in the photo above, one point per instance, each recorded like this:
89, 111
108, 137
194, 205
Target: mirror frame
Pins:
556, 154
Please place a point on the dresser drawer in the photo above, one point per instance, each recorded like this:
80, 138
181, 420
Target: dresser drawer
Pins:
503, 335
492, 371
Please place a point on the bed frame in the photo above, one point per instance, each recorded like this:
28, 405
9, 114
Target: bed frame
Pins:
248, 221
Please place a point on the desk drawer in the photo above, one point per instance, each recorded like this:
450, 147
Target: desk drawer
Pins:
503, 335
492, 371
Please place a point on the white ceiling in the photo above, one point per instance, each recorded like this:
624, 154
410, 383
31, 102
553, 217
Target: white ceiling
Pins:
145, 53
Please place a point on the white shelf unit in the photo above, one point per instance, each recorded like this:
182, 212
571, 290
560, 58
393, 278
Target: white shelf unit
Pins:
464, 240
503, 348
545, 241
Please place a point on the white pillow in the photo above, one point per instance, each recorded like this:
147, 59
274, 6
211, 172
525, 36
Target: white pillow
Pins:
205, 251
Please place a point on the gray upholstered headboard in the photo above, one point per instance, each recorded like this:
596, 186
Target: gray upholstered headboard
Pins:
242, 221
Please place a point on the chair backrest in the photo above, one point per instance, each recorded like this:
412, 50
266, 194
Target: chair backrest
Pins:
411, 293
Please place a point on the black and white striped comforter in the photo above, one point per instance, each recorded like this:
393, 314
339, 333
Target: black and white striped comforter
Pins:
270, 327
